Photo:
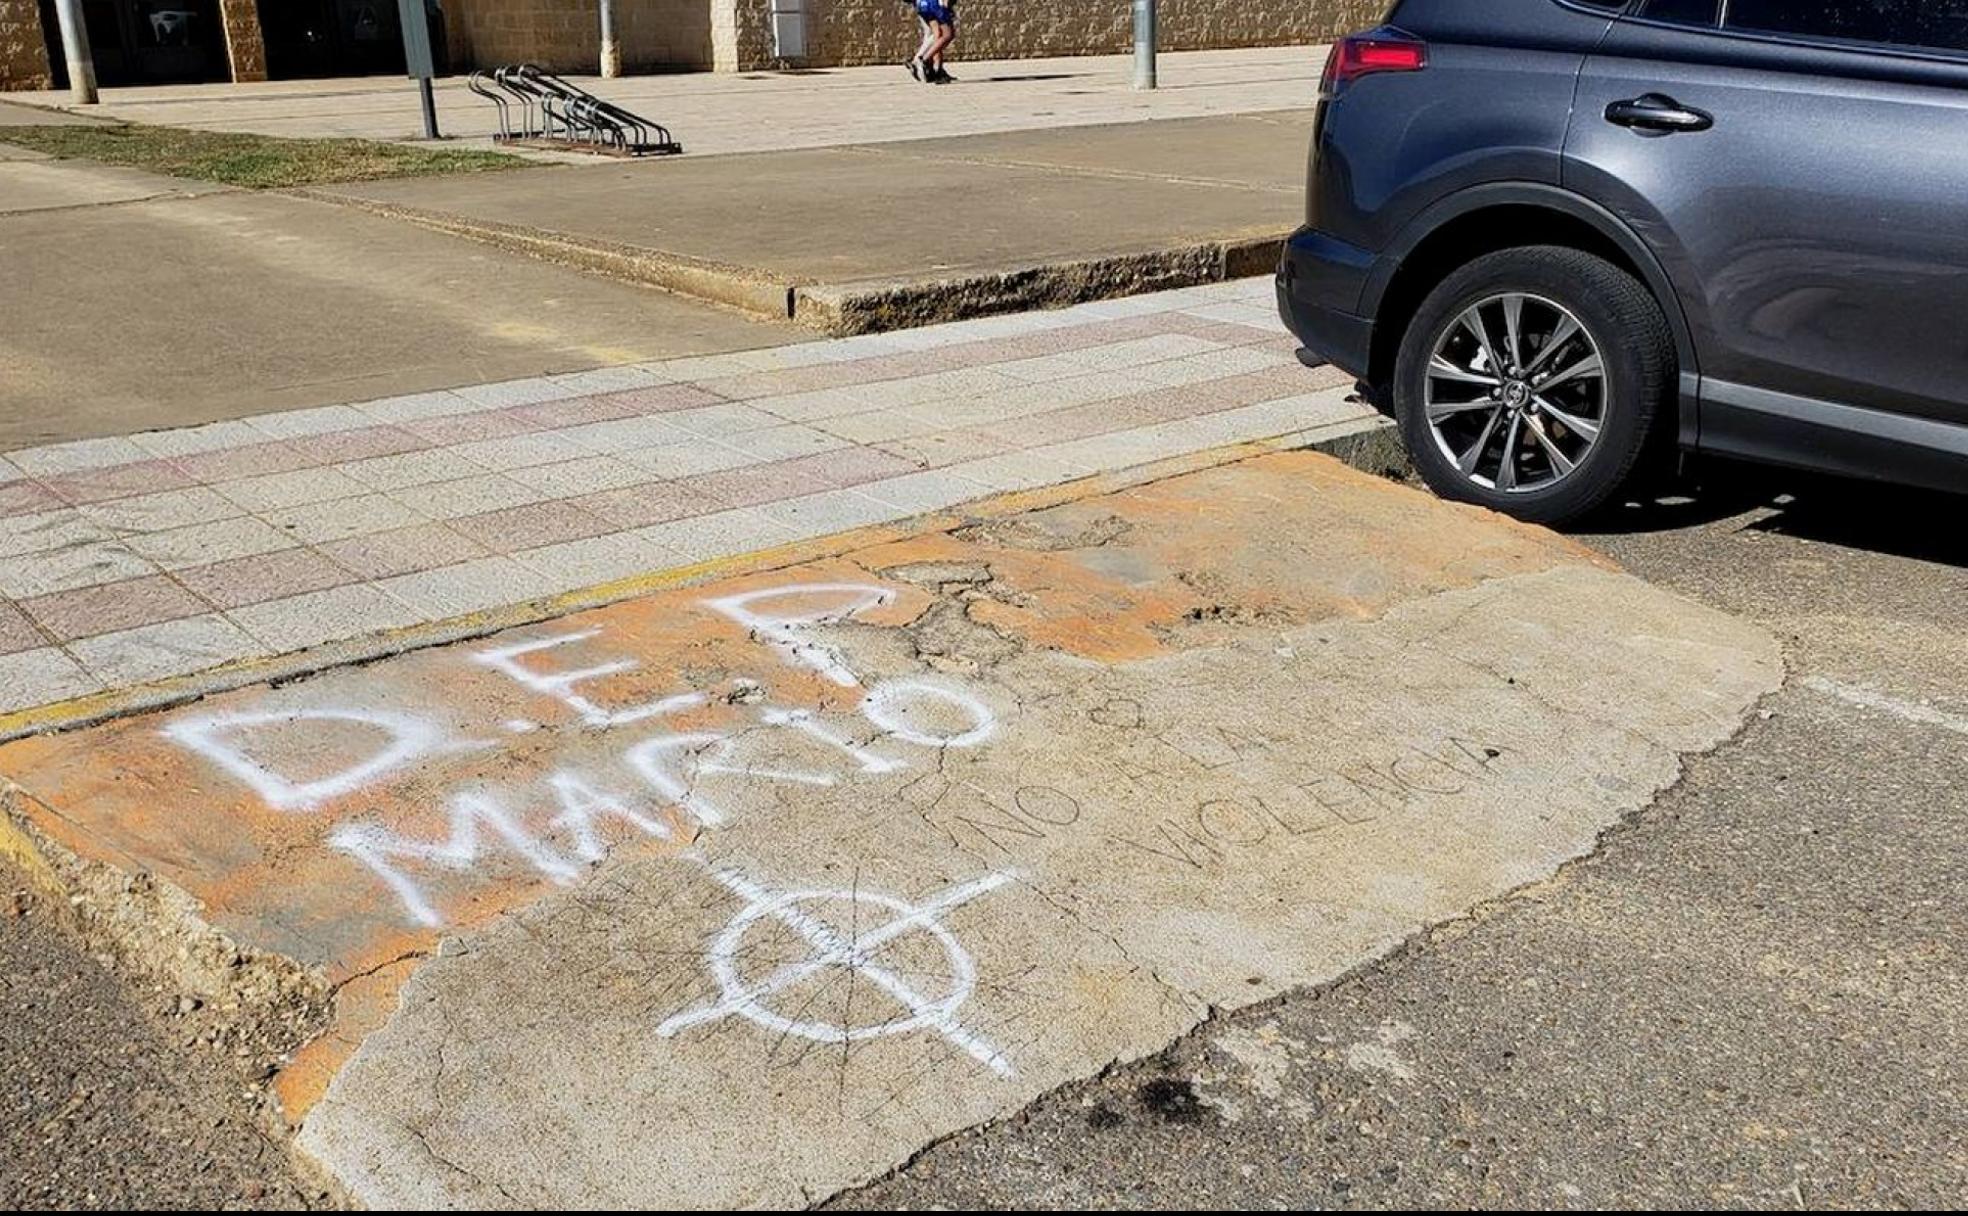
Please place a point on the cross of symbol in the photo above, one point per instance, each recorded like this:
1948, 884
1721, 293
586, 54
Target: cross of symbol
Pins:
830, 949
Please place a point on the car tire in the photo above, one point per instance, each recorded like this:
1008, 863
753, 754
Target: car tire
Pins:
1553, 443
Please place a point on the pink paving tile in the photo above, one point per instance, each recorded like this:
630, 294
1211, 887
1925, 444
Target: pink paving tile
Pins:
1078, 422
110, 607
252, 460
379, 555
265, 576
848, 467
1076, 337
117, 481
1272, 383
533, 525
657, 502
17, 633
1229, 333
363, 444
574, 411
468, 428
755, 484
27, 498
664, 398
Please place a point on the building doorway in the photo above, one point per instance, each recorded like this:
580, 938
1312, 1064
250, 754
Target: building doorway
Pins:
313, 38
145, 41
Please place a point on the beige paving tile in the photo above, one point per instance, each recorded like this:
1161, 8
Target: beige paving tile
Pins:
43, 530
275, 491
406, 469
162, 511
720, 534
576, 564
322, 522
41, 676
466, 496
88, 565
203, 544
473, 586
297, 622
154, 652
932, 490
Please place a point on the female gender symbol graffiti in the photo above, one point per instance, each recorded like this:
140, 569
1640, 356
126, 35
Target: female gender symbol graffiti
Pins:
857, 954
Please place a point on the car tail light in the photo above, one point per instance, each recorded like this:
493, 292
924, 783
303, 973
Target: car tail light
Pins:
1367, 54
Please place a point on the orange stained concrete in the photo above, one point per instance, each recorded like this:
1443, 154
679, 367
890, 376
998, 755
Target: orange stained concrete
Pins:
1290, 539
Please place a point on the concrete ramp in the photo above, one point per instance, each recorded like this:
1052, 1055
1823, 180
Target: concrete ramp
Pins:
741, 894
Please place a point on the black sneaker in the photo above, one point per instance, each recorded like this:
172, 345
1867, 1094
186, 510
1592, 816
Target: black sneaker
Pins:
941, 76
916, 70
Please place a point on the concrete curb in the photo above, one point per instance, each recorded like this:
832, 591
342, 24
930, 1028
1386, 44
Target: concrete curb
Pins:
866, 306
1363, 443
875, 306
732, 286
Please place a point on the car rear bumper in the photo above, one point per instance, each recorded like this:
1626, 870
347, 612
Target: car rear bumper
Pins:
1320, 281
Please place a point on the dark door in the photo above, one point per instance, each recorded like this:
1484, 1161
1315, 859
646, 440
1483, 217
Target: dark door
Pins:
156, 41
307, 38
1802, 171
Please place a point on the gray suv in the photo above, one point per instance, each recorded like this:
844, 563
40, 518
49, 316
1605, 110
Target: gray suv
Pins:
1554, 236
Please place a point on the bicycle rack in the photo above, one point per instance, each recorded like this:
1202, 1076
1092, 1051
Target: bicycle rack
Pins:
538, 109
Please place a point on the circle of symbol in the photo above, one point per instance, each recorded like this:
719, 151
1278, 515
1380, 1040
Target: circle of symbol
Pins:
748, 1002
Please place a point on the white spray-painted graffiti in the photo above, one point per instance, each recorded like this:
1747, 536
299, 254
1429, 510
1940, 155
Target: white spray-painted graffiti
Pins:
859, 954
410, 738
783, 634
672, 766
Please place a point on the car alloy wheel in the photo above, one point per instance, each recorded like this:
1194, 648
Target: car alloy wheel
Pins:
1516, 392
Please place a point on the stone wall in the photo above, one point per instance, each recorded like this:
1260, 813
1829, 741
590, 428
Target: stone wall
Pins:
736, 35
565, 35
23, 50
885, 31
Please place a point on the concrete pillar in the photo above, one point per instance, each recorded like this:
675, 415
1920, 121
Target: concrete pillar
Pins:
75, 49
611, 50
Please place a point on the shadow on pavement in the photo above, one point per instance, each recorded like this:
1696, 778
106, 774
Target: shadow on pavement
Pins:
1922, 525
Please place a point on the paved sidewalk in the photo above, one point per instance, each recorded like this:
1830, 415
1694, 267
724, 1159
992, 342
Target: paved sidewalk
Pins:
156, 302
132, 559
764, 111
879, 236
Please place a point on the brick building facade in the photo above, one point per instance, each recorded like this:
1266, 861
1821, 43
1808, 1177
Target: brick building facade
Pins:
154, 41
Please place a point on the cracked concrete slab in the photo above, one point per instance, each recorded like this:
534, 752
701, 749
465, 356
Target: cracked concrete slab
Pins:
33, 183
741, 894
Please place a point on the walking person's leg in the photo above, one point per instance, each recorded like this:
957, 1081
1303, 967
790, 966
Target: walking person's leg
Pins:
946, 33
919, 67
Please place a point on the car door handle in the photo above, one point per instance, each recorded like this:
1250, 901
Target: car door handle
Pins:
1657, 112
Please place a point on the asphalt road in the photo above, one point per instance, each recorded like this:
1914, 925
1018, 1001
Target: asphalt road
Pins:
113, 1099
1753, 995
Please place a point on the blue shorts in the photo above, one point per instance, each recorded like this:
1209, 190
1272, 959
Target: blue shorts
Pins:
937, 10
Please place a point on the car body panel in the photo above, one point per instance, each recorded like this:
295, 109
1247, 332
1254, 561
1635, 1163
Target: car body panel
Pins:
1818, 232
1810, 249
